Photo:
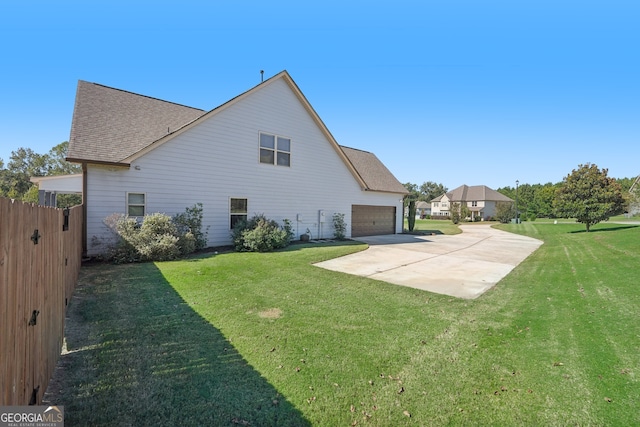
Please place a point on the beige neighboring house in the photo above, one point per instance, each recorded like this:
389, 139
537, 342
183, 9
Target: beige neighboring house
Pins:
480, 199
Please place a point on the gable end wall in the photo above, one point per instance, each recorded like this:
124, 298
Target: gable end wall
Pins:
218, 159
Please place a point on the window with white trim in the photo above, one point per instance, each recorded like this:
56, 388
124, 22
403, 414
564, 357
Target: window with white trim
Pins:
474, 203
136, 204
275, 150
237, 211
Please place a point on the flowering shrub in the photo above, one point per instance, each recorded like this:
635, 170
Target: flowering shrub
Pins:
259, 234
158, 238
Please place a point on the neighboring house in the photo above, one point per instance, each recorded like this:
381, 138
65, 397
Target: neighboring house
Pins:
423, 209
265, 151
480, 199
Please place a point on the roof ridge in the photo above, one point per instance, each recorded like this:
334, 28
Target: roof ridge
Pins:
356, 149
143, 96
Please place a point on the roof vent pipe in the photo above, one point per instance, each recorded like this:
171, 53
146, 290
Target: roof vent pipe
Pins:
261, 76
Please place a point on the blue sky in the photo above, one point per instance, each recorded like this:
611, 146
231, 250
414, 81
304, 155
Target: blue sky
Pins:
455, 92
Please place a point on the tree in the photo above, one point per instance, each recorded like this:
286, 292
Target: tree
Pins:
25, 163
465, 212
589, 195
413, 193
411, 216
430, 190
543, 200
505, 211
455, 212
56, 162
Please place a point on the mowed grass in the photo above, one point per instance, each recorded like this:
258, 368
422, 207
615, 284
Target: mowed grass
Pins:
428, 226
269, 339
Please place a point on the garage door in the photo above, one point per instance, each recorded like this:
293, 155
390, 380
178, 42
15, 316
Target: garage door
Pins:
372, 220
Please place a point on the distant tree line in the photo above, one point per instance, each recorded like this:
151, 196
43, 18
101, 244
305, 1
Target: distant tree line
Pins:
425, 192
587, 194
544, 201
24, 163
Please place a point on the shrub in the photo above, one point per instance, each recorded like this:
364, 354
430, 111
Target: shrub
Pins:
289, 229
158, 238
259, 234
505, 211
339, 226
411, 218
190, 222
455, 213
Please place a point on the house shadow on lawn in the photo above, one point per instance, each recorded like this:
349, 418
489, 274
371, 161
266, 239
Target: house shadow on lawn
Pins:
137, 354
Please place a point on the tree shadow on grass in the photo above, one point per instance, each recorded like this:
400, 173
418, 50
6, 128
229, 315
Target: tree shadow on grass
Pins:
137, 354
600, 230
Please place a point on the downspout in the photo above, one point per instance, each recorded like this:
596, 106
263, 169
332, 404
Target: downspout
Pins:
84, 210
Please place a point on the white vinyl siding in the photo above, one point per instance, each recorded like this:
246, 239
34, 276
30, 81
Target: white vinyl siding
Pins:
215, 160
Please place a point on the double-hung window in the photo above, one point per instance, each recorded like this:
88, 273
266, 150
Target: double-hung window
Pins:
136, 204
237, 211
275, 150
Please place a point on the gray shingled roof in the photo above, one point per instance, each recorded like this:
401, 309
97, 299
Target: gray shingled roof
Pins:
375, 174
466, 193
111, 124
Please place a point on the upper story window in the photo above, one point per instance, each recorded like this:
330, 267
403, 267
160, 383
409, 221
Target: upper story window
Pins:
275, 150
136, 204
474, 203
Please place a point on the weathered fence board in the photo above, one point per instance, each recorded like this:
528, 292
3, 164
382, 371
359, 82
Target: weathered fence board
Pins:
40, 260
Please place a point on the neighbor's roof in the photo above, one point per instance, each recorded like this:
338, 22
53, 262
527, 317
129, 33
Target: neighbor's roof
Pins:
466, 193
373, 172
113, 126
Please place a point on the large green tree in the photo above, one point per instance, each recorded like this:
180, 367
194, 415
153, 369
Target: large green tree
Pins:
589, 195
505, 211
430, 190
426, 192
25, 163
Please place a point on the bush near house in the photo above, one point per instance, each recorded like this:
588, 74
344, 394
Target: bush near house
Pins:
339, 226
158, 238
260, 234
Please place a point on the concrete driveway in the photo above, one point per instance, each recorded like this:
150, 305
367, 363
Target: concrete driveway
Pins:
463, 265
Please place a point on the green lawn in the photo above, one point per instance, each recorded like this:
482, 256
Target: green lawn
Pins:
268, 339
428, 226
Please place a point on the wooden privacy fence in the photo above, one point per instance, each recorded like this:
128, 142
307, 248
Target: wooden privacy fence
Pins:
40, 257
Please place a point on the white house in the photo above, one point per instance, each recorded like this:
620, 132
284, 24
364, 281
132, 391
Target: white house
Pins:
480, 199
423, 209
50, 186
265, 151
